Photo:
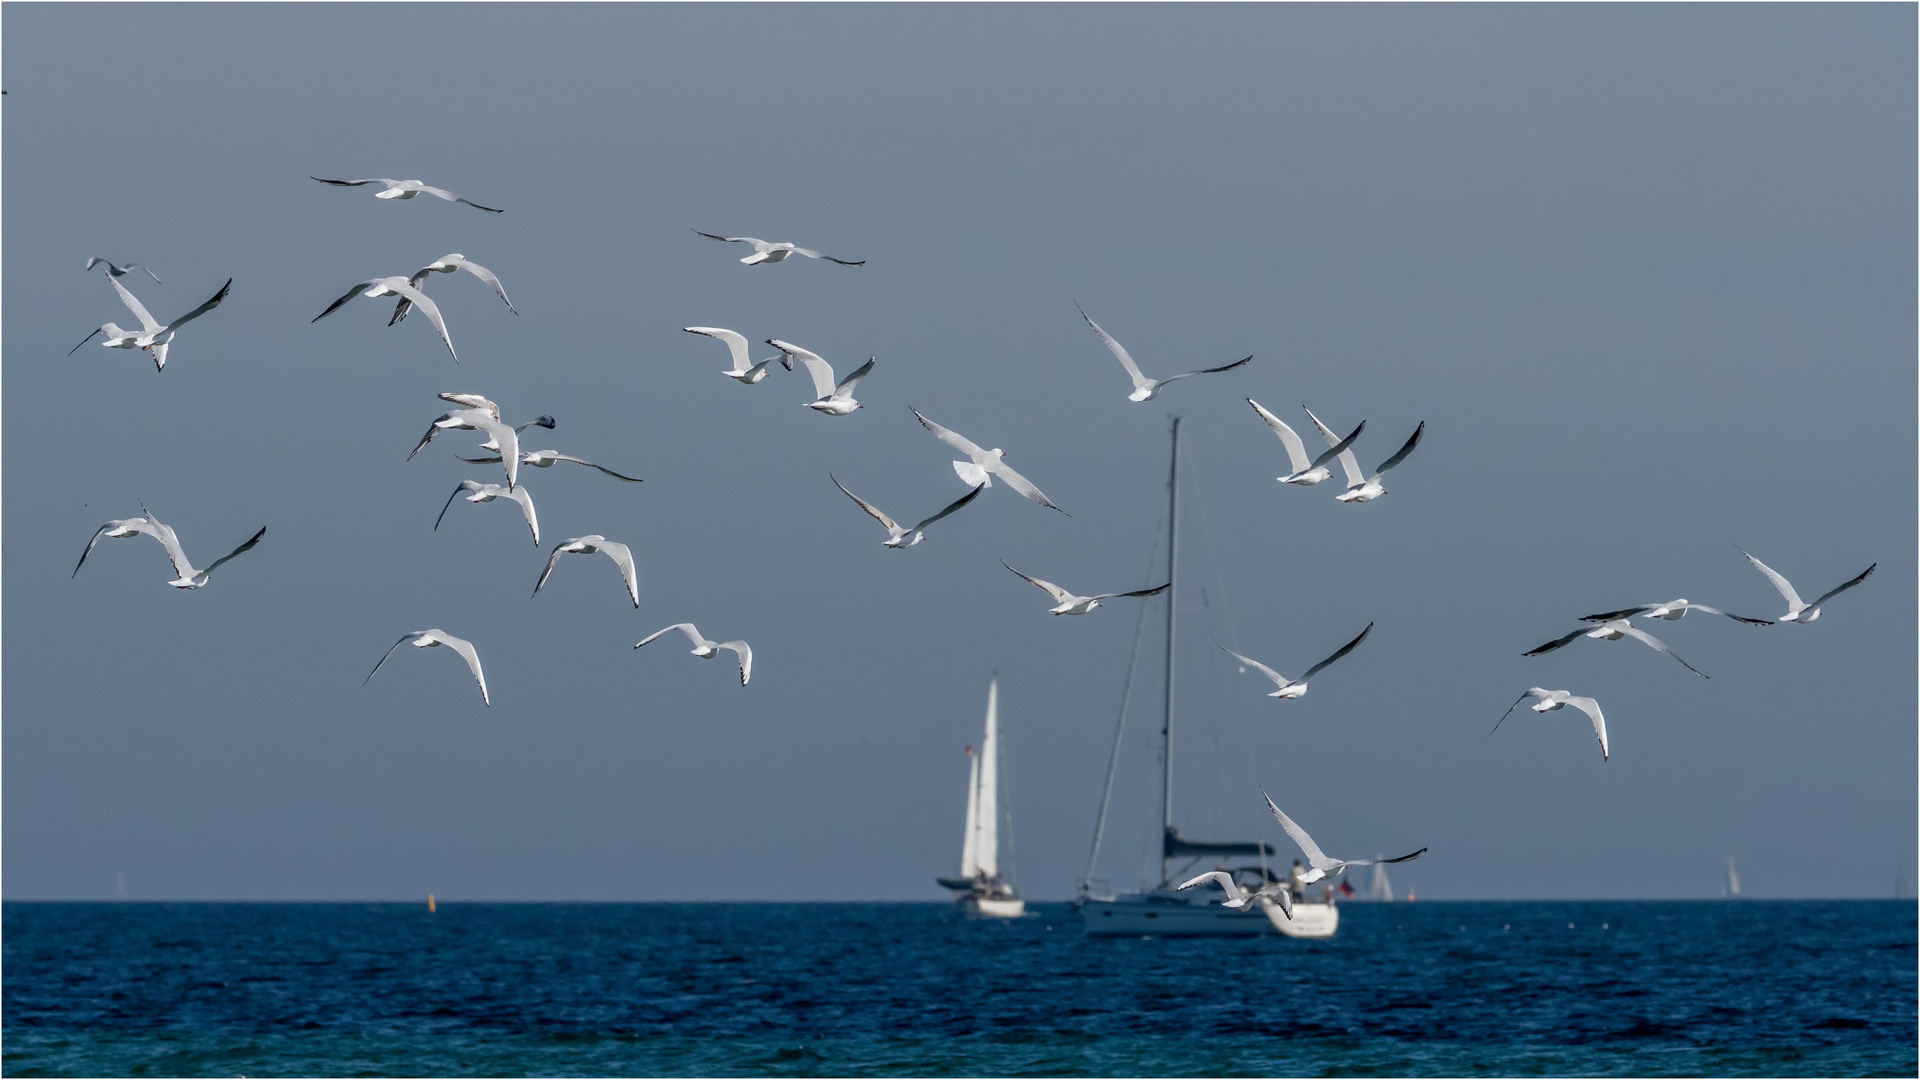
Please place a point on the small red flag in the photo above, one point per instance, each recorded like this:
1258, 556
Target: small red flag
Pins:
1346, 888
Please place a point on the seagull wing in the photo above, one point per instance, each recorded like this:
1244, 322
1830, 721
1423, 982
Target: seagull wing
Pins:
1060, 595
84, 340
508, 439
821, 371
525, 499
951, 438
469, 654
248, 546
1023, 485
133, 305
1659, 646
1296, 450
465, 485
1347, 462
845, 389
812, 254
591, 465
472, 401
1592, 709
558, 550
1510, 708
687, 628
483, 274
350, 294
880, 515
175, 554
1307, 847
736, 344
1743, 618
745, 653
142, 525
1225, 881
212, 303
1206, 371
1155, 591
622, 557
1831, 593
404, 638
1785, 587
1401, 455
1278, 679
1342, 651
1140, 382
1340, 447
950, 507
1626, 613
1555, 643
734, 239
451, 197
355, 183
433, 311
1377, 862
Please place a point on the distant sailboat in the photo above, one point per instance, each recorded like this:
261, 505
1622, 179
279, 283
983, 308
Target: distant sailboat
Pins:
1381, 888
1731, 890
980, 889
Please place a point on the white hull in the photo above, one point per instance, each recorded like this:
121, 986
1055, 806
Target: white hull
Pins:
1169, 914
1309, 920
981, 907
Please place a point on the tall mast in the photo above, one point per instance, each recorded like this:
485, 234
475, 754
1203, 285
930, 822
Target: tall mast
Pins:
1173, 589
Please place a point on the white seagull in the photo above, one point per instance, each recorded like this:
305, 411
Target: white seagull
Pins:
187, 577
1671, 610
114, 270
898, 537
1614, 631
1365, 488
447, 264
707, 650
1798, 610
403, 288
1304, 472
1286, 688
427, 639
985, 464
1145, 389
117, 530
544, 459
152, 336
406, 189
1279, 892
1560, 699
833, 400
483, 415
621, 555
766, 252
743, 370
1324, 867
1069, 604
486, 493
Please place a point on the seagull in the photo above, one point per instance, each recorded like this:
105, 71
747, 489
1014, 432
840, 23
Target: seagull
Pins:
1304, 472
707, 650
544, 459
120, 271
986, 464
1291, 688
1238, 898
1560, 699
427, 639
1069, 604
1324, 867
403, 288
1614, 631
1365, 488
118, 530
407, 189
447, 264
485, 493
742, 370
765, 252
621, 555
1797, 610
482, 415
898, 537
189, 578
833, 400
1671, 610
1145, 389
151, 336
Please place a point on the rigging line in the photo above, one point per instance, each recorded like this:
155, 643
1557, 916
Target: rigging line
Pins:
1120, 726
1003, 794
1243, 729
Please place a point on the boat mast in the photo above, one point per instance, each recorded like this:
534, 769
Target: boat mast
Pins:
1166, 720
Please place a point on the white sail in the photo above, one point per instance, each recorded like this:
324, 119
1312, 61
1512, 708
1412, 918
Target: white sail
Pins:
1381, 889
1733, 879
969, 846
986, 845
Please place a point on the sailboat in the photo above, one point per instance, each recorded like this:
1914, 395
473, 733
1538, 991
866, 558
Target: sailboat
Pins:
980, 889
1731, 890
1380, 889
1163, 910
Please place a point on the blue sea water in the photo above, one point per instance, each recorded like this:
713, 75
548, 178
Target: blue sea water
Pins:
1596, 988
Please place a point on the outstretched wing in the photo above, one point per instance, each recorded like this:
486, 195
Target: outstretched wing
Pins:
1140, 382
876, 513
1338, 653
622, 557
1296, 450
1340, 447
736, 344
1780, 583
355, 183
525, 499
1831, 593
506, 437
350, 294
248, 546
1627, 613
1555, 643
558, 549
1509, 712
687, 628
483, 274
134, 523
133, 305
818, 368
1659, 646
732, 239
845, 389
950, 508
1278, 679
745, 652
951, 438
1592, 709
1024, 486
175, 554
1401, 454
1347, 462
433, 312
404, 638
602, 468
451, 197
86, 339
1206, 371
812, 254
1060, 595
203, 308
1156, 591
1743, 618
467, 652
1378, 862
1307, 847
465, 485
1224, 880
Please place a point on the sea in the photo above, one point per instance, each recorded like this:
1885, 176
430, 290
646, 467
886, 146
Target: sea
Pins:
1737, 988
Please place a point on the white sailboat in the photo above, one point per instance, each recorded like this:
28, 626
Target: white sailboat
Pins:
1163, 910
980, 889
1380, 888
1731, 890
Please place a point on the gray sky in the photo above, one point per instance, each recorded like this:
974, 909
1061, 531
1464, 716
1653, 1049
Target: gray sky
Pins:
1646, 271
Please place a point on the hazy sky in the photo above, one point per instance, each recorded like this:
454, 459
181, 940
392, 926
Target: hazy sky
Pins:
1646, 271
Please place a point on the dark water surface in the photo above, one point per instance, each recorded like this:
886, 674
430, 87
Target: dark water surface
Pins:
1640, 988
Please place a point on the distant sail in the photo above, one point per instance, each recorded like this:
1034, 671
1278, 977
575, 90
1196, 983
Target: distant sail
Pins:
970, 844
986, 848
1732, 887
1381, 888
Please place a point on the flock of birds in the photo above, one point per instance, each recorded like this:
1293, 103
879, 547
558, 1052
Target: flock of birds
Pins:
833, 397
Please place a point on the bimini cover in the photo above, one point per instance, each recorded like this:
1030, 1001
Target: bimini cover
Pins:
1175, 846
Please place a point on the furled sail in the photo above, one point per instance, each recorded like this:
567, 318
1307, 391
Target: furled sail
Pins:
970, 845
1175, 846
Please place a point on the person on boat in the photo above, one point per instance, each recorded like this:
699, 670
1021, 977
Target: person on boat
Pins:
1294, 884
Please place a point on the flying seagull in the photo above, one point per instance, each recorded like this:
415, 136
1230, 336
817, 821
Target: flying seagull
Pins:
427, 639
120, 271
985, 464
407, 189
621, 555
707, 650
447, 264
898, 537
483, 415
743, 370
1145, 389
544, 459
765, 252
1069, 604
152, 336
187, 577
1798, 610
1304, 472
1279, 892
1324, 867
486, 493
1671, 610
1293, 688
834, 400
1560, 699
403, 288
117, 530
1365, 488
1614, 631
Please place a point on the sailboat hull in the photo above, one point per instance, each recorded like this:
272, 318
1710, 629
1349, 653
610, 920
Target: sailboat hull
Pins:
984, 907
1169, 914
1309, 920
